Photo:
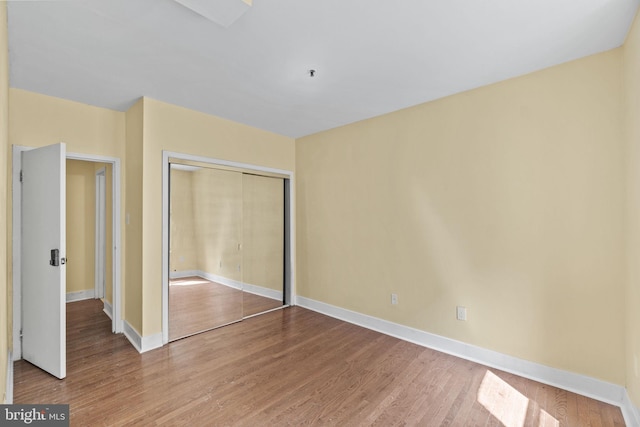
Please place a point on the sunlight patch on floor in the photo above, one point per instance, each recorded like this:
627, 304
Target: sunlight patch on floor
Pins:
547, 420
507, 404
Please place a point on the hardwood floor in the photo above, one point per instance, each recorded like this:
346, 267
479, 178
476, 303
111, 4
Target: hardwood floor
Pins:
288, 367
197, 305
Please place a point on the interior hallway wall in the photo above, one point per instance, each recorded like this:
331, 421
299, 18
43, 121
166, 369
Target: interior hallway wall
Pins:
81, 223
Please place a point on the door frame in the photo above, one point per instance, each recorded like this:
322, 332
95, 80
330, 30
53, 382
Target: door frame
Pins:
116, 317
289, 226
100, 240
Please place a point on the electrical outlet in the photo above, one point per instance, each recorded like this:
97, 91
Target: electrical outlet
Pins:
394, 299
461, 313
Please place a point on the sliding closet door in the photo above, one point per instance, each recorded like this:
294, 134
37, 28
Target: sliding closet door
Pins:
226, 247
205, 287
262, 243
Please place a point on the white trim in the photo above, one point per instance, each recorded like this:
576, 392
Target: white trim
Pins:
8, 397
107, 308
81, 295
243, 286
142, 344
100, 233
151, 342
630, 412
235, 284
207, 276
262, 291
16, 248
289, 285
183, 274
116, 325
132, 335
576, 383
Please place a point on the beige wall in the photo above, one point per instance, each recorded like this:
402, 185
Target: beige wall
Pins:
81, 214
37, 120
217, 220
263, 231
507, 199
5, 292
632, 139
168, 127
132, 309
183, 255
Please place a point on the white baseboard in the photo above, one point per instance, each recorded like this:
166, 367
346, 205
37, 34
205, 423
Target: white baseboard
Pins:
182, 274
235, 284
576, 383
630, 412
81, 295
132, 335
140, 343
209, 276
8, 397
263, 292
246, 287
108, 309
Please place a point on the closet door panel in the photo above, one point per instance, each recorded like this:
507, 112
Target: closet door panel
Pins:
205, 290
263, 242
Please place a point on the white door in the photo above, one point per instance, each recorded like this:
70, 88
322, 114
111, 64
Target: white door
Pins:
44, 269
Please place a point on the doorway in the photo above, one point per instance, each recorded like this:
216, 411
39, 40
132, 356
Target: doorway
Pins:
114, 251
228, 212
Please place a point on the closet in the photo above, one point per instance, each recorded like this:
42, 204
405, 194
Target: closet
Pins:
226, 246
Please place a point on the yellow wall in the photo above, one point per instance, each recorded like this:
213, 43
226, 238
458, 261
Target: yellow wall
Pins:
263, 231
132, 309
5, 297
217, 221
37, 120
632, 139
168, 127
507, 199
183, 255
81, 214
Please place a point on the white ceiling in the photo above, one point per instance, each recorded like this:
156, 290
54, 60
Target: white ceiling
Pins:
371, 56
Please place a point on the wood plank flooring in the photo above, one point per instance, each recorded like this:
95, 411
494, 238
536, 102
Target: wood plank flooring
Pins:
289, 367
197, 305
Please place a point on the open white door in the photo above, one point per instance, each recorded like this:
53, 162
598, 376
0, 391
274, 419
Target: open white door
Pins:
43, 258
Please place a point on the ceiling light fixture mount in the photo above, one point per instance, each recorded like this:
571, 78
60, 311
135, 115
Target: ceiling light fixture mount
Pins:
312, 73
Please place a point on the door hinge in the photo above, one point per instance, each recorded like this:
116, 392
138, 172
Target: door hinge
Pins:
20, 333
21, 176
